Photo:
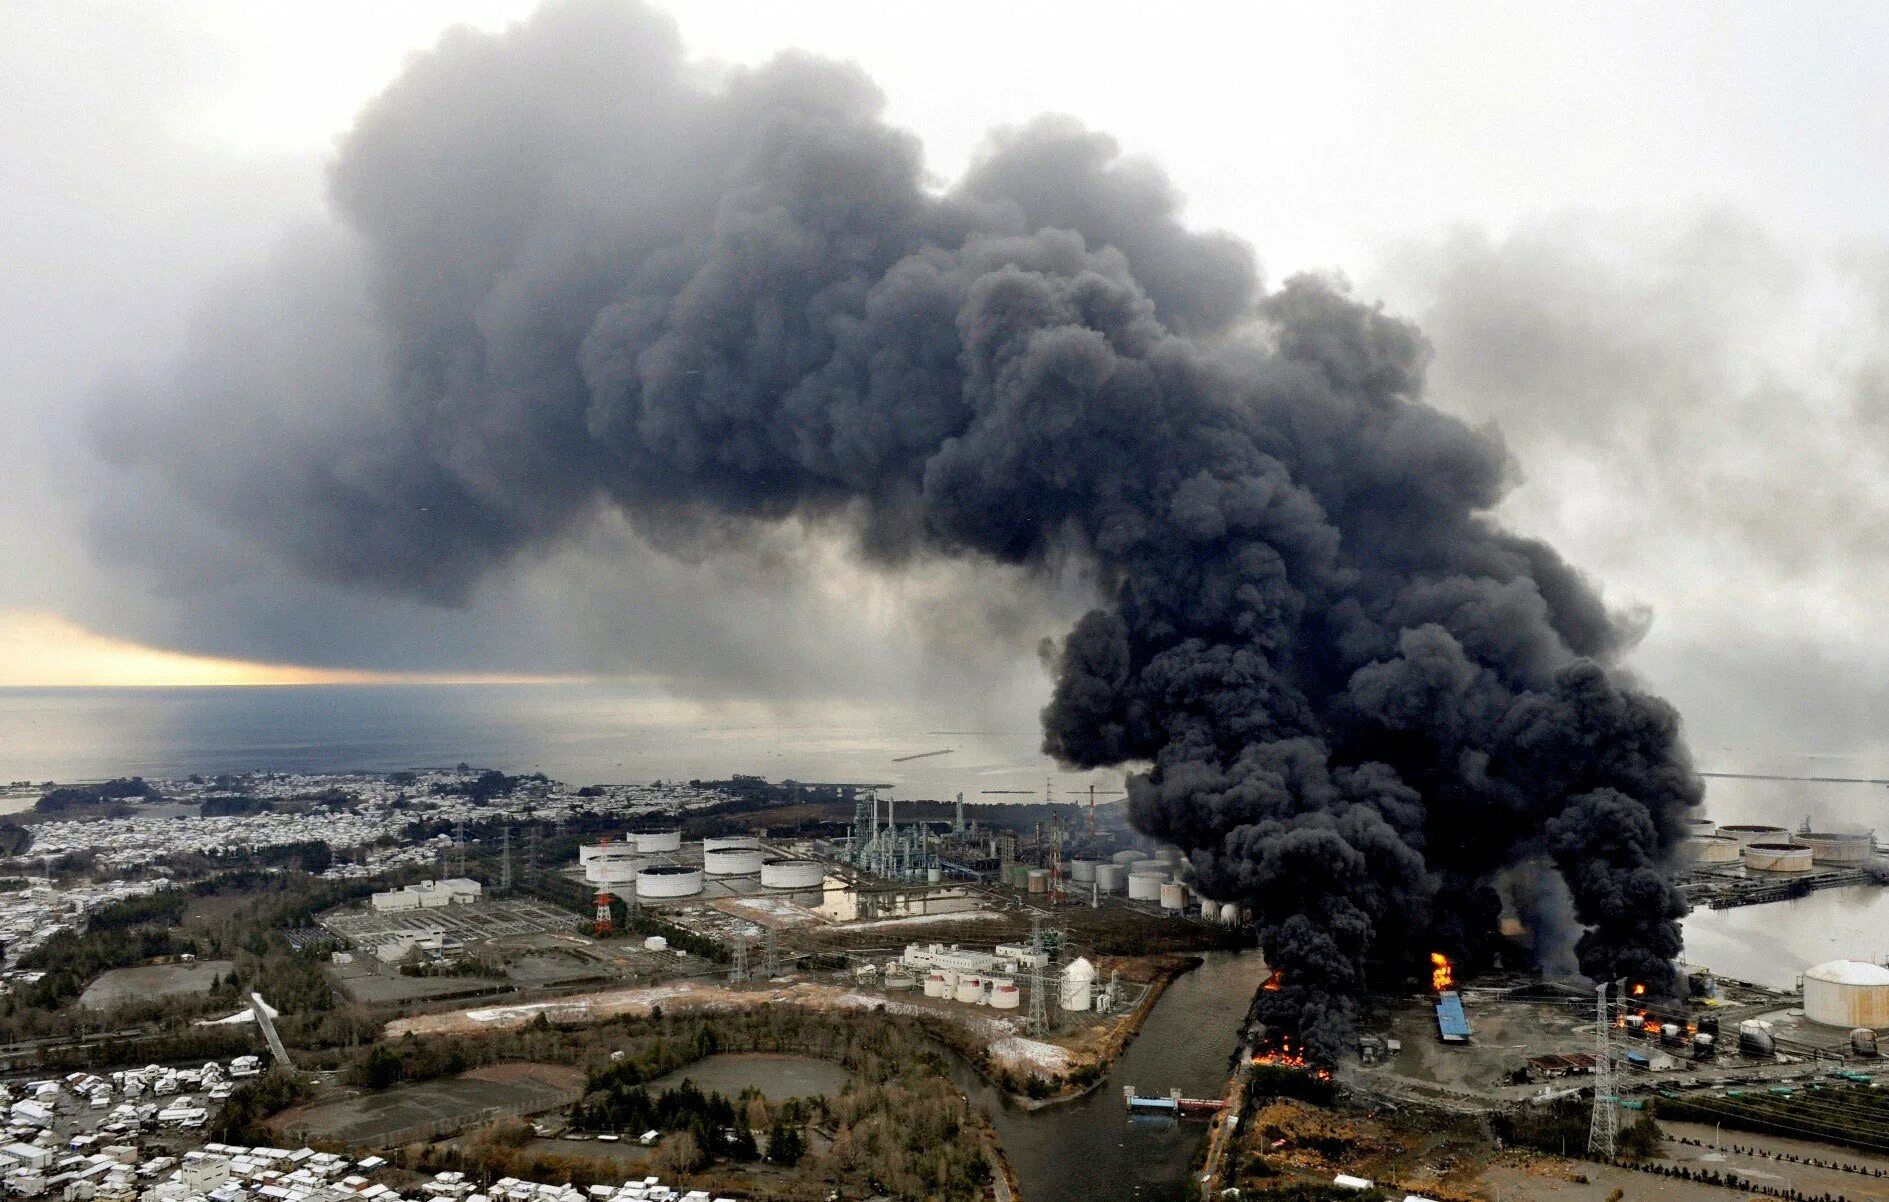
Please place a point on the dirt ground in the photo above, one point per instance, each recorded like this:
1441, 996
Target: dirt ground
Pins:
1769, 1170
375, 1119
122, 985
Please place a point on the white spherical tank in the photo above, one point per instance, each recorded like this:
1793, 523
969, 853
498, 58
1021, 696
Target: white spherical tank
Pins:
654, 841
970, 989
792, 874
1777, 857
731, 861
1082, 871
1847, 993
731, 843
1748, 833
1173, 896
1109, 877
668, 880
1709, 849
1146, 886
1004, 994
1828, 848
1078, 985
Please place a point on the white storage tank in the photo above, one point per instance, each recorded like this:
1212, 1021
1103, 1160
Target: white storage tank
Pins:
654, 841
1160, 866
1127, 857
1082, 871
935, 984
613, 870
1230, 914
731, 843
731, 861
1828, 848
668, 880
1004, 994
970, 988
1748, 833
1701, 827
1146, 886
1777, 857
1709, 849
1039, 880
792, 874
586, 852
1078, 985
1847, 993
1173, 897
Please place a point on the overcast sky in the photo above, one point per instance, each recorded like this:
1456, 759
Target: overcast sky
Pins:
1648, 242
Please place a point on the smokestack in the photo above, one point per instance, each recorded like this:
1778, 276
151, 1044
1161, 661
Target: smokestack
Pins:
596, 280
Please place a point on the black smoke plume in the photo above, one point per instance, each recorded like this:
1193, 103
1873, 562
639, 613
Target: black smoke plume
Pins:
577, 272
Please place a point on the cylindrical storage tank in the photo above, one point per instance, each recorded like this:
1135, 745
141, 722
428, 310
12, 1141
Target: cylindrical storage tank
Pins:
950, 982
1863, 1042
656, 943
1704, 1045
654, 841
1160, 866
731, 843
586, 852
1173, 896
970, 988
1827, 848
1078, 985
1748, 833
1230, 914
1109, 877
934, 984
1670, 1032
1709, 849
792, 874
1847, 993
731, 861
899, 977
1777, 857
1702, 828
1636, 1024
1127, 857
613, 870
934, 875
668, 880
1082, 871
1146, 886
1039, 880
1754, 1038
1004, 994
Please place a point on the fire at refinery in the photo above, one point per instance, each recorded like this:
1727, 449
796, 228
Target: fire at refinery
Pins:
1442, 977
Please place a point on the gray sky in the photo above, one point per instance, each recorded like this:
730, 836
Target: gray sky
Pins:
1649, 245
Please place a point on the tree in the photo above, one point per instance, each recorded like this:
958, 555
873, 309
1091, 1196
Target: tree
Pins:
1642, 1139
785, 1144
679, 1154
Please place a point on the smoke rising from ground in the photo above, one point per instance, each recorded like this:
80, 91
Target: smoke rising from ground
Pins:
580, 277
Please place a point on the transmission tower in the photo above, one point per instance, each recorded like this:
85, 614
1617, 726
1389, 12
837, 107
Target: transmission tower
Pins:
1037, 1024
770, 954
505, 858
738, 971
1606, 1125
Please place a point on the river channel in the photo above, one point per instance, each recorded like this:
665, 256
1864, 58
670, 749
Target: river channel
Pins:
1087, 1149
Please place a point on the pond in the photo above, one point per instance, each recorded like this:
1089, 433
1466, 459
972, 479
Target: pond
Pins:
777, 1077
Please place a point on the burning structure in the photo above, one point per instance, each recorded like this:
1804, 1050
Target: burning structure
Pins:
585, 276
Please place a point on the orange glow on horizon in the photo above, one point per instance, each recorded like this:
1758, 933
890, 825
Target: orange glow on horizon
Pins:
39, 649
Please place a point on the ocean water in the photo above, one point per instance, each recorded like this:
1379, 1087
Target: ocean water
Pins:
579, 733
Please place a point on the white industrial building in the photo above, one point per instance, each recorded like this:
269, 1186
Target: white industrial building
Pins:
428, 895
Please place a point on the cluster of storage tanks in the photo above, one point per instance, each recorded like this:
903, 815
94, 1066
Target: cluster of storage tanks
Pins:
1143, 877
624, 867
1764, 848
1075, 987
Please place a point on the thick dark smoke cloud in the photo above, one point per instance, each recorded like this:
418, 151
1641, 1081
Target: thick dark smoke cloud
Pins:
581, 278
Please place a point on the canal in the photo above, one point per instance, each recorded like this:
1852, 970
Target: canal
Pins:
1088, 1149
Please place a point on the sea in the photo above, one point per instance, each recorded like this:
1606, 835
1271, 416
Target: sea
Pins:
580, 733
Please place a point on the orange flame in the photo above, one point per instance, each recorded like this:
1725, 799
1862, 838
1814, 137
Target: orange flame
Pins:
1639, 991
1284, 1056
1441, 976
1272, 982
